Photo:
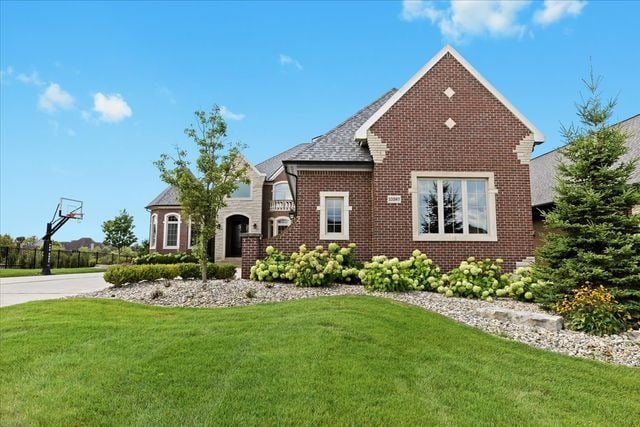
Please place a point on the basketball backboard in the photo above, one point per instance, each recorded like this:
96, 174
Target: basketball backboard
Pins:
70, 208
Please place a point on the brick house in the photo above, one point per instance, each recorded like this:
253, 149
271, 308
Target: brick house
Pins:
441, 165
261, 206
543, 175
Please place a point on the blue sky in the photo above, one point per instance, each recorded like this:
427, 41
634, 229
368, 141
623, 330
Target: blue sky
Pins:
93, 93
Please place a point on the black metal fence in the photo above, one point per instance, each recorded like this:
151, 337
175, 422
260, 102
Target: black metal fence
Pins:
32, 258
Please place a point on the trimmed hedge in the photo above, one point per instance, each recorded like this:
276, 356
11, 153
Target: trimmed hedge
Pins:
171, 258
118, 275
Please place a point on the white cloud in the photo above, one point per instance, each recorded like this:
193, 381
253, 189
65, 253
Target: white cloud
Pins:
112, 108
229, 115
464, 18
8, 72
54, 98
555, 10
70, 132
286, 60
56, 128
30, 79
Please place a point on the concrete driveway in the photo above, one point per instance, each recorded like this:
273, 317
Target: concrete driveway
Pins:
15, 290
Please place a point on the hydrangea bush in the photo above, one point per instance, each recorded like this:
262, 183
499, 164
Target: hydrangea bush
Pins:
523, 285
309, 268
392, 275
475, 279
273, 268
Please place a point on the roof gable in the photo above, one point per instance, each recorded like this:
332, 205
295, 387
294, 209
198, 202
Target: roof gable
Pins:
362, 132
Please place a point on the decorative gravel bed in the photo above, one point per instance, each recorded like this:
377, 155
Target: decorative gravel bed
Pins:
620, 349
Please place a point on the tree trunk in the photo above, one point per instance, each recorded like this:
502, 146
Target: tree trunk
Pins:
203, 261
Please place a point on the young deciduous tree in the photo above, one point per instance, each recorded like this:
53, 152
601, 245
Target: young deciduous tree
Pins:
118, 231
594, 236
218, 170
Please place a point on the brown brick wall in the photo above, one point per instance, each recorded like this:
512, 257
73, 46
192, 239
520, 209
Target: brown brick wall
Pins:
184, 230
483, 139
306, 228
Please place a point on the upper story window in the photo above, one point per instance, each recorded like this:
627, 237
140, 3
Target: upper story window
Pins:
281, 191
153, 233
453, 206
242, 192
334, 215
193, 235
171, 230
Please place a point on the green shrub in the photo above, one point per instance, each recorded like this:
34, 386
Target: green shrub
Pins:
524, 285
222, 271
305, 268
118, 275
629, 299
474, 279
170, 258
321, 267
392, 275
592, 310
273, 268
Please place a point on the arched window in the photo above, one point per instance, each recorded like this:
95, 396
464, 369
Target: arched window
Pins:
153, 233
281, 191
171, 231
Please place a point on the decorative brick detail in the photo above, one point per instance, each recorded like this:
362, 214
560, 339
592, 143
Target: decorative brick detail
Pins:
483, 140
524, 148
251, 252
377, 148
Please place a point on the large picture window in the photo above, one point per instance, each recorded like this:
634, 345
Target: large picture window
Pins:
453, 206
242, 192
334, 215
281, 191
171, 230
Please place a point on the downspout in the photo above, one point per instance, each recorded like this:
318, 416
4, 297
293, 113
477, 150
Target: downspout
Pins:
294, 177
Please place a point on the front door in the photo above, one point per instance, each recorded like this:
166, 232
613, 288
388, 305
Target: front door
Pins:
236, 225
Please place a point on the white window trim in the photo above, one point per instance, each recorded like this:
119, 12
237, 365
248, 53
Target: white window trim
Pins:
153, 240
189, 245
491, 235
165, 225
244, 198
273, 190
274, 224
346, 208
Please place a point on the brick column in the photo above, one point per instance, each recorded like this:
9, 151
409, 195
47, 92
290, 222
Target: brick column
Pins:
251, 252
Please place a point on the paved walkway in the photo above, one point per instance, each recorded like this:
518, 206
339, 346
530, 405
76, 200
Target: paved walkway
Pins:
15, 290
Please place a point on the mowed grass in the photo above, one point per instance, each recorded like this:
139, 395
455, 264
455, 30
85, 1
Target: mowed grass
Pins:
321, 361
21, 272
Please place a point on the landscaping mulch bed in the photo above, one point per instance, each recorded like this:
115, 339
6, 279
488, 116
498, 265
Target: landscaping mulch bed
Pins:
620, 349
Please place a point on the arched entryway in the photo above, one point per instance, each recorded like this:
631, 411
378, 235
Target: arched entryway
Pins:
235, 226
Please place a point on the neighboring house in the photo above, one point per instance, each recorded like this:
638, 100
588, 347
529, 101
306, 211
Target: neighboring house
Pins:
441, 165
261, 206
543, 175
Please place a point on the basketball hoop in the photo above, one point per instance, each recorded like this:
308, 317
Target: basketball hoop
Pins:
67, 209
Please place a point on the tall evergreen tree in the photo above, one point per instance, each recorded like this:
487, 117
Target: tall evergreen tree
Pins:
594, 236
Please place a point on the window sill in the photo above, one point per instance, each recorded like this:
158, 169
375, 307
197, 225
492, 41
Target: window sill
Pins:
454, 238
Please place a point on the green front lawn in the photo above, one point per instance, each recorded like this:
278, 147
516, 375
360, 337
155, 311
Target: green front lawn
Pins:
20, 272
331, 361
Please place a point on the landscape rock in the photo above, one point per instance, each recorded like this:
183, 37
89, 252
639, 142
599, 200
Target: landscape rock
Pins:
539, 320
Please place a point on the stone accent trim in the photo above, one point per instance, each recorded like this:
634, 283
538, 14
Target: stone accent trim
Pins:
377, 148
524, 148
528, 261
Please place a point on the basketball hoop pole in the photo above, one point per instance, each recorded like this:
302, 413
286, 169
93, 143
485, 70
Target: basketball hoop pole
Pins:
52, 227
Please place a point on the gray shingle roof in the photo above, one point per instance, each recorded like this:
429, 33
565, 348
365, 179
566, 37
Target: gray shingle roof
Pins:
338, 145
271, 166
170, 196
542, 169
